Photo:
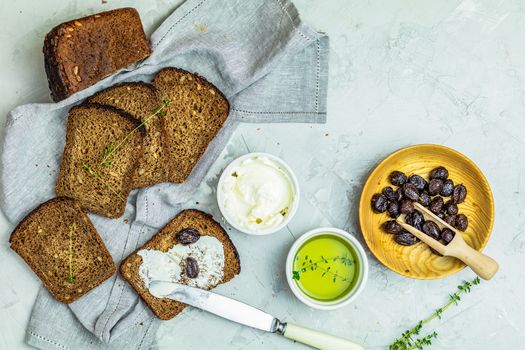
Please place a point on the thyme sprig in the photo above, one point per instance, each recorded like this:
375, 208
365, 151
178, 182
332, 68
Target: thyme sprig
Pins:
108, 152
110, 149
107, 155
98, 177
72, 229
310, 265
407, 342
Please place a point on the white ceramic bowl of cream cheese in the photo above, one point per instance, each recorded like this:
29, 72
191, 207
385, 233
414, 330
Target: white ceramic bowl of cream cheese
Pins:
258, 193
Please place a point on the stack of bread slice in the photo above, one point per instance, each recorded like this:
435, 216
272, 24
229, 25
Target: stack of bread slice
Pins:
128, 136
134, 135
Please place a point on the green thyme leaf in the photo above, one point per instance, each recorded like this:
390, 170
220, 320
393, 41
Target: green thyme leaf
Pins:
107, 155
110, 149
309, 265
71, 277
406, 340
296, 275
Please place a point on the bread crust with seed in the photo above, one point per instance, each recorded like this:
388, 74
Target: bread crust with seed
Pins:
42, 240
80, 52
91, 128
197, 112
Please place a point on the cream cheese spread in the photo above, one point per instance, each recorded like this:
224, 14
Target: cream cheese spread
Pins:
170, 266
257, 194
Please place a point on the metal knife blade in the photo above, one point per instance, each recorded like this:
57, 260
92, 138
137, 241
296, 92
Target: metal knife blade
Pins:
217, 304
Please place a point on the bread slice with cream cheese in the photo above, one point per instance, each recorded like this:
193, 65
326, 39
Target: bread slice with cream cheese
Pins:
164, 241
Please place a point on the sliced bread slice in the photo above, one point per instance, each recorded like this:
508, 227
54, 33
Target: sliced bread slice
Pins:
79, 53
196, 113
141, 100
59, 243
102, 147
164, 240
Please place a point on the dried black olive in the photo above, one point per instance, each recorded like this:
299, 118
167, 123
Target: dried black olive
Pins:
432, 229
405, 238
379, 202
436, 205
447, 235
448, 188
399, 194
406, 206
410, 191
435, 186
461, 222
441, 215
459, 194
397, 178
390, 194
451, 220
424, 199
393, 209
415, 219
192, 268
451, 208
187, 236
417, 181
408, 218
392, 227
439, 173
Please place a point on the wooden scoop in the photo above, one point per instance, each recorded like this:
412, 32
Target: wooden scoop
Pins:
483, 265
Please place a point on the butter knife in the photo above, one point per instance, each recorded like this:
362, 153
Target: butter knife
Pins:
248, 315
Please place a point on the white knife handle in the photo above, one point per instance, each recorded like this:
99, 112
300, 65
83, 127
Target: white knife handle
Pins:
318, 339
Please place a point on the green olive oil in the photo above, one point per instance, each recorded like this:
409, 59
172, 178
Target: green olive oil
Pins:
326, 267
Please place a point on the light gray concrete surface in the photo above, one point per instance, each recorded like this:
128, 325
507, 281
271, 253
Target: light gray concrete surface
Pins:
401, 72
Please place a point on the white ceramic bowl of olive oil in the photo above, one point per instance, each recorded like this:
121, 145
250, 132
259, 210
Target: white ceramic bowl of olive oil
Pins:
326, 268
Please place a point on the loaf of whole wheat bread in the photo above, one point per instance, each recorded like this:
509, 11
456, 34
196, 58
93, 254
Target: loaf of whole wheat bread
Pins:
196, 113
59, 243
79, 53
164, 240
103, 144
142, 100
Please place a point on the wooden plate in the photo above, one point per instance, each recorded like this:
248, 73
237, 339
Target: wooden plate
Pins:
418, 261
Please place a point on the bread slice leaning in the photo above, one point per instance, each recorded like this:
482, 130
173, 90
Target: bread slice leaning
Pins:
102, 147
59, 243
141, 100
164, 240
81, 52
196, 113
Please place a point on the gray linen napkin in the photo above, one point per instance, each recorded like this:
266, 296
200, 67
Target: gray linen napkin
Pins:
271, 67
